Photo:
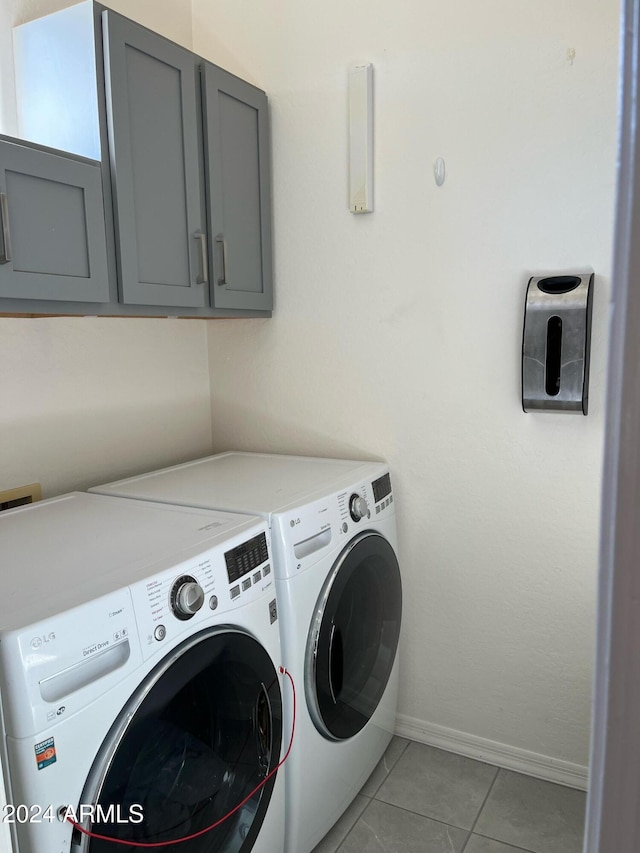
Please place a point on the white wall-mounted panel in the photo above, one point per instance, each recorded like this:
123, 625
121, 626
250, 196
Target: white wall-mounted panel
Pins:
361, 139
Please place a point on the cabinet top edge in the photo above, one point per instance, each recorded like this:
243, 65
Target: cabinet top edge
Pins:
98, 8
68, 155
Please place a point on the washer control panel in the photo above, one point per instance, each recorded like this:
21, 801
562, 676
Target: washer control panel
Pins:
247, 565
222, 578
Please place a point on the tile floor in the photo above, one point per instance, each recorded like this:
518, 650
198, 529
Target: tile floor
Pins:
424, 800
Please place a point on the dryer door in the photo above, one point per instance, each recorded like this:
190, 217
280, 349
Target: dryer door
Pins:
201, 732
354, 637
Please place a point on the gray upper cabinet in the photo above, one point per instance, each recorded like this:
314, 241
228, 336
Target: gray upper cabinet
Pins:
52, 232
152, 114
184, 153
238, 190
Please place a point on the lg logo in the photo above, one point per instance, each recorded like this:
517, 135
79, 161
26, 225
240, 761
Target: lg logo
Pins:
37, 642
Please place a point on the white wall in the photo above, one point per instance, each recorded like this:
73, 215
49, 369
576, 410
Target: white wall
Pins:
84, 400
395, 335
88, 399
398, 335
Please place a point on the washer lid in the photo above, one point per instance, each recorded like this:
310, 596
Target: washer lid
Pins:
258, 483
66, 551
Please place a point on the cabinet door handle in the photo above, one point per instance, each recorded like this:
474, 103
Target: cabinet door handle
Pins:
203, 276
222, 278
5, 256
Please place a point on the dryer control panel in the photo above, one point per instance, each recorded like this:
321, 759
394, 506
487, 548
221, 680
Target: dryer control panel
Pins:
306, 534
382, 495
365, 501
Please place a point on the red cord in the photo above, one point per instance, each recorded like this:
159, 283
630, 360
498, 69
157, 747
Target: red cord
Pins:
84, 831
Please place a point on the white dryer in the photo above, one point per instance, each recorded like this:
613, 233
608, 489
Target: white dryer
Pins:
340, 600
139, 678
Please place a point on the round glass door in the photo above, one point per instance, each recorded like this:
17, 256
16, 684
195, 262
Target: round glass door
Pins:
354, 637
201, 732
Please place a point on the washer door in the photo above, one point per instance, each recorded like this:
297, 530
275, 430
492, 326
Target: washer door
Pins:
202, 730
354, 637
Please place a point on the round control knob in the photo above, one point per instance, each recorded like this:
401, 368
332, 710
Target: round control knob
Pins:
187, 597
358, 507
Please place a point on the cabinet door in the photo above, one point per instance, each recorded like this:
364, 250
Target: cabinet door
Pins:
152, 115
238, 191
52, 237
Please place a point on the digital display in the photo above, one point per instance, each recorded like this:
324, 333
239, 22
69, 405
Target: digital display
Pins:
381, 487
246, 557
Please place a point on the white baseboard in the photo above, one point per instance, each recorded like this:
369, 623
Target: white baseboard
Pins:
500, 754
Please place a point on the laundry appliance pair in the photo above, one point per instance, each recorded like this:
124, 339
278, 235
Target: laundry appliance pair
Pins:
339, 600
139, 696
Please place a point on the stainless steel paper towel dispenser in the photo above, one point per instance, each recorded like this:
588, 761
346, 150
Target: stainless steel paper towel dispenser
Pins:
556, 343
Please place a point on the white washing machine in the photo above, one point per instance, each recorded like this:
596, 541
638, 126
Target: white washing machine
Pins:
139, 678
340, 600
